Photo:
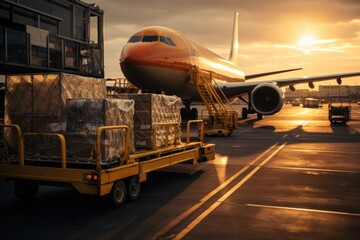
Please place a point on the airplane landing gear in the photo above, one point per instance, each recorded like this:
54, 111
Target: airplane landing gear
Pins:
188, 113
193, 114
244, 113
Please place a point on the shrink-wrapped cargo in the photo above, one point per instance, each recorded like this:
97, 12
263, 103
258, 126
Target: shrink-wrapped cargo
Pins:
152, 109
37, 103
85, 116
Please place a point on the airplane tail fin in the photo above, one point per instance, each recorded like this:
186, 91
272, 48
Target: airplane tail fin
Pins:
235, 38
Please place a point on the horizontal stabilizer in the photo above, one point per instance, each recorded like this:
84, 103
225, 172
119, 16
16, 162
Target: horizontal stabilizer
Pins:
247, 77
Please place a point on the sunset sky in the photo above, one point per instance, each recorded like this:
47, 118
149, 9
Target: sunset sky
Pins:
321, 36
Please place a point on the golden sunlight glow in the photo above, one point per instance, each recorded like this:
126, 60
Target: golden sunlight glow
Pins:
309, 44
307, 40
220, 163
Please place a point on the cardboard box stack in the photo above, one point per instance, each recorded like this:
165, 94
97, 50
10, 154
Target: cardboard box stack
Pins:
151, 109
37, 103
85, 116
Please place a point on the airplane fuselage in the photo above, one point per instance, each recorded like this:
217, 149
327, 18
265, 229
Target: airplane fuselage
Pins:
160, 59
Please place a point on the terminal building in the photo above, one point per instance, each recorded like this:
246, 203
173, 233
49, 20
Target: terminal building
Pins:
51, 36
325, 92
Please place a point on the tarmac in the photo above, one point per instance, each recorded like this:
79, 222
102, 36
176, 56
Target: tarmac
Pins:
288, 176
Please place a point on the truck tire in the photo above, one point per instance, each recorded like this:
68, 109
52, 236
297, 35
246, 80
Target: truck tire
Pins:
118, 193
25, 190
133, 188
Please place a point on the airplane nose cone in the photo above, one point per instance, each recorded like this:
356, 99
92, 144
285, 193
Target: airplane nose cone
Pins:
129, 55
135, 54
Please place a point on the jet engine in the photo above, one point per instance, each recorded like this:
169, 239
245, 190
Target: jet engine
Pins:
267, 98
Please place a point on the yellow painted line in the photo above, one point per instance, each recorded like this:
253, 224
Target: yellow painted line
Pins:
201, 217
323, 151
305, 210
185, 214
316, 169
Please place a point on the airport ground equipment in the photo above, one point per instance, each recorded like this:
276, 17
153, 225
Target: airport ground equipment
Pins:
120, 181
311, 103
295, 102
339, 109
223, 119
121, 85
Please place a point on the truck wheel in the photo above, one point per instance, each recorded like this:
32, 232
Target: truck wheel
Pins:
118, 193
25, 190
133, 189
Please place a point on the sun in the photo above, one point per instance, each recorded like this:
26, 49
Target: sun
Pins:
309, 44
307, 40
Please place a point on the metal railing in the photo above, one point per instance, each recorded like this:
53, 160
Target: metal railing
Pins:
20, 139
201, 130
62, 143
98, 143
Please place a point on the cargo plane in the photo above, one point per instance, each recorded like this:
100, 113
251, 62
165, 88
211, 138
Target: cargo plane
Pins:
159, 59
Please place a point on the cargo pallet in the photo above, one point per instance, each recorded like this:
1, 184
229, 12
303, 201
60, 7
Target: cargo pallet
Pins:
119, 182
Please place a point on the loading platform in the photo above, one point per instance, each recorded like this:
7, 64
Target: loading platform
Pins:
120, 181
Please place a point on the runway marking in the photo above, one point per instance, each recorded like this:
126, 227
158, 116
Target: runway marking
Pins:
316, 169
185, 214
305, 210
322, 151
195, 222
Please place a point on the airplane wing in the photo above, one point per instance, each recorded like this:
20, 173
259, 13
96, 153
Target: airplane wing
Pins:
251, 76
266, 97
232, 89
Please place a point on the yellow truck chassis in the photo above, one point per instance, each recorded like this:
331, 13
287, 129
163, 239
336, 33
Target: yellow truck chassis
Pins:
120, 182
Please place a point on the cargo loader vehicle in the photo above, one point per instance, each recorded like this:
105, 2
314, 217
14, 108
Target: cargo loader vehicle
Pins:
66, 130
119, 181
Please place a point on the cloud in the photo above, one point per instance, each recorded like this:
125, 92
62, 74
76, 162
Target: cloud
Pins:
269, 31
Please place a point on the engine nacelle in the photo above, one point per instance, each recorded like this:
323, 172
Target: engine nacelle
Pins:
267, 98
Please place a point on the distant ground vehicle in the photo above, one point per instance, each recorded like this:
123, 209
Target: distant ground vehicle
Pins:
340, 109
311, 103
295, 102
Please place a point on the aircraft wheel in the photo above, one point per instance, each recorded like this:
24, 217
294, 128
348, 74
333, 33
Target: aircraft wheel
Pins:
118, 193
25, 190
194, 114
133, 188
244, 113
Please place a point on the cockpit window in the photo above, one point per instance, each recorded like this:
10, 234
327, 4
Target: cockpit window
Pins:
171, 41
150, 38
167, 41
135, 39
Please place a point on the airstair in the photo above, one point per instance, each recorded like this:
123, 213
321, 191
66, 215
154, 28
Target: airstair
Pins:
223, 119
